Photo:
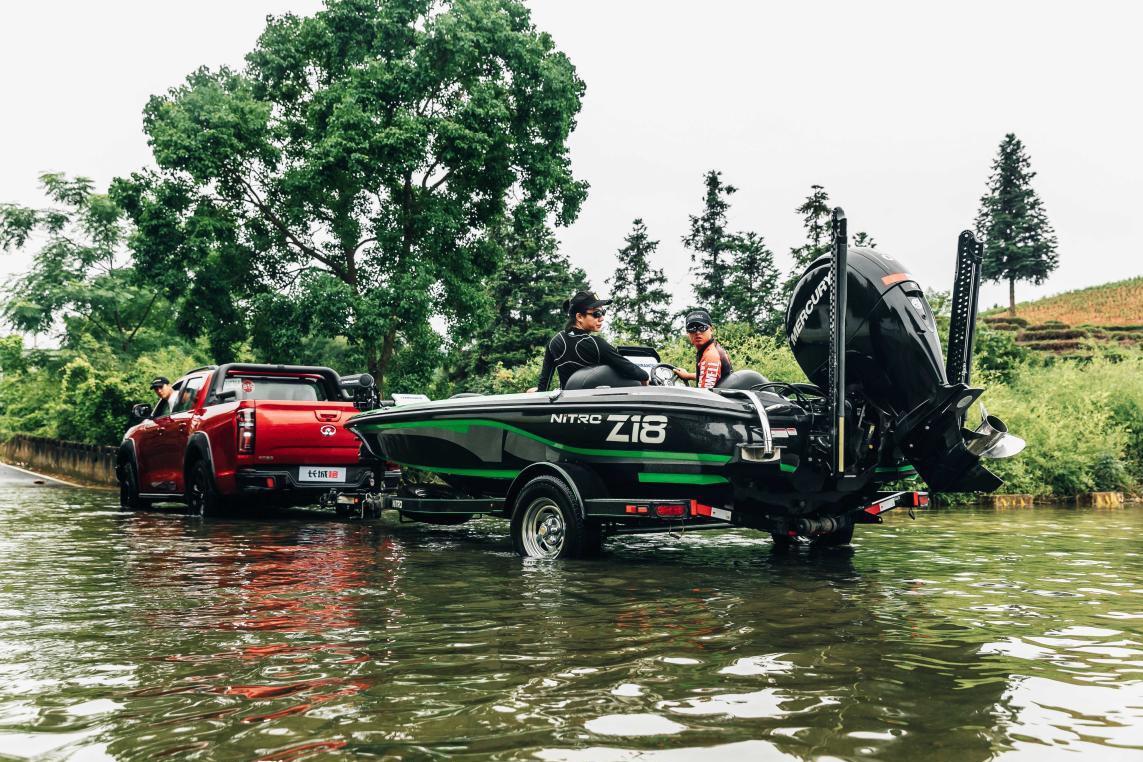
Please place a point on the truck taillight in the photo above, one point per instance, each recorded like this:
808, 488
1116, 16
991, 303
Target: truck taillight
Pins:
245, 421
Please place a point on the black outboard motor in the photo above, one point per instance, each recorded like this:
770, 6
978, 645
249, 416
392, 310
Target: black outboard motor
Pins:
893, 360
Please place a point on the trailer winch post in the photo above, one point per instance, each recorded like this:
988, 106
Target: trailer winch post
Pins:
839, 279
962, 325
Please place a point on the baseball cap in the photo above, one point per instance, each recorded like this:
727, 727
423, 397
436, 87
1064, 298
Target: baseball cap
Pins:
698, 316
158, 381
584, 301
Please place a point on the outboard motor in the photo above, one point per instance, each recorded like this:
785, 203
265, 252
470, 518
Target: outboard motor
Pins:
892, 358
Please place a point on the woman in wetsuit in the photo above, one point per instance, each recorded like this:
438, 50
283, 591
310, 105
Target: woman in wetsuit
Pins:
712, 364
577, 346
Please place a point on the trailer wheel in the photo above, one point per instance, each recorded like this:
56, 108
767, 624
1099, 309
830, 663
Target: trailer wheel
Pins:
546, 522
834, 539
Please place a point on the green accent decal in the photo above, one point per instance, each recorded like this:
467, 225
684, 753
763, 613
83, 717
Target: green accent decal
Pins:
893, 469
463, 425
787, 468
651, 478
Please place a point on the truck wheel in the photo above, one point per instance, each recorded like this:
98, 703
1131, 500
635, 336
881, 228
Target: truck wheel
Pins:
201, 495
129, 489
546, 522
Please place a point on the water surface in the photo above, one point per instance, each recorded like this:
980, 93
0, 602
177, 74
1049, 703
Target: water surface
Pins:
962, 635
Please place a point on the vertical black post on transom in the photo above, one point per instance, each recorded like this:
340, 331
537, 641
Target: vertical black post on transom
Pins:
836, 368
962, 325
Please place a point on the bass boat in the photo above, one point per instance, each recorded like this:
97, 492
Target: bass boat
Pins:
789, 457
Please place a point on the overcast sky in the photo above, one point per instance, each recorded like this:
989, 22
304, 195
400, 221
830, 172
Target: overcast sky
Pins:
896, 108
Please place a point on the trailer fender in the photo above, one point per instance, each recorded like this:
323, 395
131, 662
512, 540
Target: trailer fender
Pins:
584, 483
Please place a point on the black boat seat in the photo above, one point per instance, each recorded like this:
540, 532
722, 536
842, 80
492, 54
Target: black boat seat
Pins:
595, 376
743, 379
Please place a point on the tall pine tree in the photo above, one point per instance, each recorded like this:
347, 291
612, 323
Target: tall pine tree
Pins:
710, 242
752, 290
526, 294
1019, 243
815, 211
641, 301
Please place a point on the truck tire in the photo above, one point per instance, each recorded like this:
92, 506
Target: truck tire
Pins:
201, 493
129, 489
547, 522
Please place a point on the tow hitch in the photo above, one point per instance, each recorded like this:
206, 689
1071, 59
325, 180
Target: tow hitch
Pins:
871, 514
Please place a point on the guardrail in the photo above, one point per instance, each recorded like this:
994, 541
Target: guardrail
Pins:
83, 462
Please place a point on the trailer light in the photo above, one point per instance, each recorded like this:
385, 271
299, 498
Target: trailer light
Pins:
635, 509
670, 511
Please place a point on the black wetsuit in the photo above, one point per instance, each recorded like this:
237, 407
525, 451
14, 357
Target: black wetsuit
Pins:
570, 350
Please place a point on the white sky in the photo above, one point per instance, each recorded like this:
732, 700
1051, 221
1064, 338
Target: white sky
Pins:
896, 108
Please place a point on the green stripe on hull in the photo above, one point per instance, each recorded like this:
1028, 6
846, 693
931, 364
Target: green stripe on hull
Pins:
463, 425
893, 469
646, 478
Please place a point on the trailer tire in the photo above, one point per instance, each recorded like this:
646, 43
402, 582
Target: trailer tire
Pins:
835, 539
547, 522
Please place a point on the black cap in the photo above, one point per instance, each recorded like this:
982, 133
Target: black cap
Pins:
698, 316
584, 301
158, 381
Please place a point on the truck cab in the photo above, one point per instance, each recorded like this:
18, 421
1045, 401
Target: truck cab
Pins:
265, 433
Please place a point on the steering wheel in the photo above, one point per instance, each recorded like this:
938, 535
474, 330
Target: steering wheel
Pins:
663, 374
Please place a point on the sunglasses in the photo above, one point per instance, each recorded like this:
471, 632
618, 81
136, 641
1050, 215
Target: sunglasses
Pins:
697, 327
597, 313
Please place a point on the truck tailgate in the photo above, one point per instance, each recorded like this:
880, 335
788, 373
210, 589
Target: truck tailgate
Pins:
304, 433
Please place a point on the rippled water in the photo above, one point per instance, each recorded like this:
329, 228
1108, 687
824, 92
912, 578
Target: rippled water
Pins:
963, 635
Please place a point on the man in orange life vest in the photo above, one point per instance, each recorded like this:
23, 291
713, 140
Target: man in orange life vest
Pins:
712, 365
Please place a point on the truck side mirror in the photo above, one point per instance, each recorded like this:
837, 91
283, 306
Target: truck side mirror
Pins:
140, 412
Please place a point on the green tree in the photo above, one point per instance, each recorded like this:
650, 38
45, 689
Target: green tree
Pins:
861, 238
377, 147
752, 287
710, 242
526, 294
81, 281
641, 307
1019, 243
815, 212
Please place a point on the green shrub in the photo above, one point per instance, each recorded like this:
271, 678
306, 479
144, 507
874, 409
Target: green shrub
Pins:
996, 355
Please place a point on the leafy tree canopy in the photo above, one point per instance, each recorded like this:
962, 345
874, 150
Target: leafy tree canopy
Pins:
816, 220
1019, 242
81, 282
641, 303
374, 148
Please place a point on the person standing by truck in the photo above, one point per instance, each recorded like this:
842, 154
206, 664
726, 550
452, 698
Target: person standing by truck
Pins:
577, 346
712, 364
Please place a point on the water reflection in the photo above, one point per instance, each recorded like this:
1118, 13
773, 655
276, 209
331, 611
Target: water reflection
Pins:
959, 636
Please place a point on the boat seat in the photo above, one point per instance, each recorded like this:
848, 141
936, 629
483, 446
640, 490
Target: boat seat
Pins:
743, 379
595, 376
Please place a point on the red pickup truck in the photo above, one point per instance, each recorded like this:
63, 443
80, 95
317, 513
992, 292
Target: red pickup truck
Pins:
270, 432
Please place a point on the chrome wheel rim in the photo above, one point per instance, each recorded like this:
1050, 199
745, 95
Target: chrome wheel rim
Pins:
544, 529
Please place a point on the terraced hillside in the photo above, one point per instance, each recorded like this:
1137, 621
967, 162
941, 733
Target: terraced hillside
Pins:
1111, 304
1075, 321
